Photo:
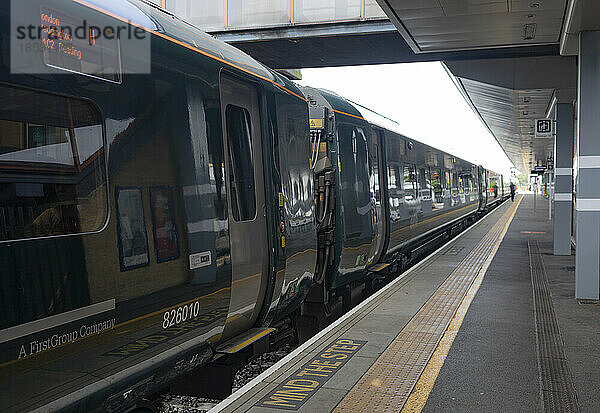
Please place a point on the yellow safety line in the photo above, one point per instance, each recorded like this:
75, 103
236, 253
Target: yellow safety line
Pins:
250, 340
418, 397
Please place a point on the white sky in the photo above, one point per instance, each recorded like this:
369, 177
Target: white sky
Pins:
422, 98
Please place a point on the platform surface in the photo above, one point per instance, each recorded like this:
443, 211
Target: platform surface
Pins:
472, 302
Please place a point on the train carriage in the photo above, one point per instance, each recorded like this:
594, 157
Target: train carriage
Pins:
383, 198
144, 217
150, 220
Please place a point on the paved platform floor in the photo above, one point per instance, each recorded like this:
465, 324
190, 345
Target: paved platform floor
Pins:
492, 364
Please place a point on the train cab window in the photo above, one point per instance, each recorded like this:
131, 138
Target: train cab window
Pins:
410, 183
241, 164
52, 170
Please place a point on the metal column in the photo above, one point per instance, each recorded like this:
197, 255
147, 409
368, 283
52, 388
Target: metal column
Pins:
563, 178
587, 262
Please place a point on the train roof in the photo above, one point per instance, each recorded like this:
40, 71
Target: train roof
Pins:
343, 106
169, 27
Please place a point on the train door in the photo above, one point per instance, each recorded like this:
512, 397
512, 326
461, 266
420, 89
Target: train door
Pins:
377, 188
425, 191
246, 203
447, 189
482, 187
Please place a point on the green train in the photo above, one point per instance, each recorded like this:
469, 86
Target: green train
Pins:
165, 198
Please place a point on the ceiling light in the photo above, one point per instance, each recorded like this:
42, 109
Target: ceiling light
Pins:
534, 5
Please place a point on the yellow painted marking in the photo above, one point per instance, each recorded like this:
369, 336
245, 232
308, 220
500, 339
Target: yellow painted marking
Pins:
316, 123
420, 393
250, 340
380, 267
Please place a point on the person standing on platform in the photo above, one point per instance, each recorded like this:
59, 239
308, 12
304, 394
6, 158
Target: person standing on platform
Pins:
513, 189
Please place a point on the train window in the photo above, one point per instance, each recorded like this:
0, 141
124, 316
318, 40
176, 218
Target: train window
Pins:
52, 170
241, 165
424, 181
494, 187
455, 189
438, 190
410, 183
394, 188
472, 190
375, 163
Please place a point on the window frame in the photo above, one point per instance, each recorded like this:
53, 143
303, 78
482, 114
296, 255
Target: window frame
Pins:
415, 189
94, 107
232, 175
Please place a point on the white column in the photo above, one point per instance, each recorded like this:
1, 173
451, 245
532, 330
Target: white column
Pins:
587, 263
563, 178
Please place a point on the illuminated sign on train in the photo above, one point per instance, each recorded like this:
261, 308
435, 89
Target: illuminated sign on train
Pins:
81, 46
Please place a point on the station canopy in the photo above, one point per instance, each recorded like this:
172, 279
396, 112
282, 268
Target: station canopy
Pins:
512, 59
509, 93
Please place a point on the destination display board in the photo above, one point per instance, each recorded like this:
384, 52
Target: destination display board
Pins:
79, 45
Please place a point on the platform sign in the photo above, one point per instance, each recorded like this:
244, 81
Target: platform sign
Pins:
538, 170
543, 128
292, 393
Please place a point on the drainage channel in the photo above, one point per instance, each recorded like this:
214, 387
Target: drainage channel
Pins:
556, 385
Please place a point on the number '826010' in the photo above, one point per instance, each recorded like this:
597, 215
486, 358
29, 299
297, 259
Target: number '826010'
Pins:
180, 314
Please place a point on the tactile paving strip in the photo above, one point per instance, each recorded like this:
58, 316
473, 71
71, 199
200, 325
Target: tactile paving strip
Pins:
386, 386
557, 392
